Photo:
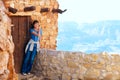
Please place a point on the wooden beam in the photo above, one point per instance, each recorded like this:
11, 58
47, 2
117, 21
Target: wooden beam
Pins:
12, 10
58, 11
44, 10
31, 8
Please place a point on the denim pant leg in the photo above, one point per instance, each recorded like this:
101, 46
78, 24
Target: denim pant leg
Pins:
32, 57
25, 62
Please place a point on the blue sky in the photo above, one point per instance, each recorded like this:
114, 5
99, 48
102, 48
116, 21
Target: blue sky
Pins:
90, 26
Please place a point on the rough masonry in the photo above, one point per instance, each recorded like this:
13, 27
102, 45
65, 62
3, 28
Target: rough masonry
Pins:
47, 19
61, 65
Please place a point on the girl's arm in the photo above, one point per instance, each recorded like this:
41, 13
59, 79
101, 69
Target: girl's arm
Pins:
35, 33
39, 35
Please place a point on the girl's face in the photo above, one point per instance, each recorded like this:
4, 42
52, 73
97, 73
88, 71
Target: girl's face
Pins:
36, 25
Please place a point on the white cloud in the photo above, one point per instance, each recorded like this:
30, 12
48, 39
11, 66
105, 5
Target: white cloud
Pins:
92, 31
115, 49
84, 47
97, 45
108, 43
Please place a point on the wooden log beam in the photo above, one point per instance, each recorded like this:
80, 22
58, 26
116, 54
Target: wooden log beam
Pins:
31, 8
44, 10
12, 10
58, 11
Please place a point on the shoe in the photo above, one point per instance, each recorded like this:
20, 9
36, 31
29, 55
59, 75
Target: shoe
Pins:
24, 74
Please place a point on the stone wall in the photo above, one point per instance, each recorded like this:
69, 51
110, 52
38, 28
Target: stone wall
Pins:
60, 65
48, 20
7, 71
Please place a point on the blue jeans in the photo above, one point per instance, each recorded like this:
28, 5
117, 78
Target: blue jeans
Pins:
29, 59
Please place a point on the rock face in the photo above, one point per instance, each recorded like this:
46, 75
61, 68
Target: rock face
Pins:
48, 20
59, 65
7, 71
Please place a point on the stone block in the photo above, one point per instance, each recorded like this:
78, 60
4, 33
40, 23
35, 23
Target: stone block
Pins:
92, 73
66, 77
72, 64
